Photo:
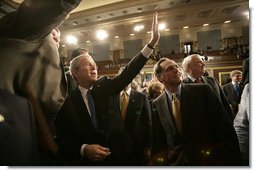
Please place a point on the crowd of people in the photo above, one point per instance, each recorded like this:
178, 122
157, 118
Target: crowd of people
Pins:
50, 116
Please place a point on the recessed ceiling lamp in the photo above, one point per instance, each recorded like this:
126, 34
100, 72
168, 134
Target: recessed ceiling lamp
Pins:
185, 27
88, 41
162, 26
71, 39
205, 24
138, 27
166, 29
132, 34
228, 21
125, 12
101, 34
116, 37
140, 9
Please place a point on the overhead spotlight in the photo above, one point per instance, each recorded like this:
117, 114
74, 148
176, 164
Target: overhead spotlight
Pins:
205, 24
138, 27
101, 35
71, 39
132, 34
185, 27
166, 29
162, 26
228, 21
88, 41
116, 37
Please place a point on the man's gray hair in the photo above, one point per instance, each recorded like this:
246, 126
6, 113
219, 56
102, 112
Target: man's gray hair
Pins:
187, 61
75, 63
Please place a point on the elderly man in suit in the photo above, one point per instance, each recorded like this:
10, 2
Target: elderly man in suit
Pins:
190, 125
87, 132
18, 144
30, 63
234, 89
195, 69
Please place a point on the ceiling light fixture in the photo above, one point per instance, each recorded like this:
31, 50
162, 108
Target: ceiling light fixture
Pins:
71, 39
185, 27
101, 34
162, 26
205, 24
138, 27
228, 21
132, 34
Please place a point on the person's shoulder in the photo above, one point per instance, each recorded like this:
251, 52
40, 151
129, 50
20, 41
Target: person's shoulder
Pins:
7, 96
138, 93
160, 98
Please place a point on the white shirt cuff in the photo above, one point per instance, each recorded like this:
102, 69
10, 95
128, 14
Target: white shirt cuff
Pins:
146, 51
82, 152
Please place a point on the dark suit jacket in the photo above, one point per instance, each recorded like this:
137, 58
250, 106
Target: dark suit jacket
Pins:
213, 83
110, 133
138, 127
18, 141
29, 55
231, 95
208, 136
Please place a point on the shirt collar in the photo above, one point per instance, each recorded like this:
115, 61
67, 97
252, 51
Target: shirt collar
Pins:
83, 91
192, 78
178, 92
128, 91
233, 82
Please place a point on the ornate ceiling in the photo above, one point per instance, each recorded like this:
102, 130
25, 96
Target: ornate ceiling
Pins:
118, 17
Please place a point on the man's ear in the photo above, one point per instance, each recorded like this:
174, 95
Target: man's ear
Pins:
158, 76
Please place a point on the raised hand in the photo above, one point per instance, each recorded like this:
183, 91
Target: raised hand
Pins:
155, 34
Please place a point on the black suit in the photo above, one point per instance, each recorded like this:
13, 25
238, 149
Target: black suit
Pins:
233, 99
213, 83
206, 127
18, 141
138, 126
72, 132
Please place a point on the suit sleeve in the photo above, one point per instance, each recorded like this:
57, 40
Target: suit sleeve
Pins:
115, 85
36, 18
227, 148
65, 134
